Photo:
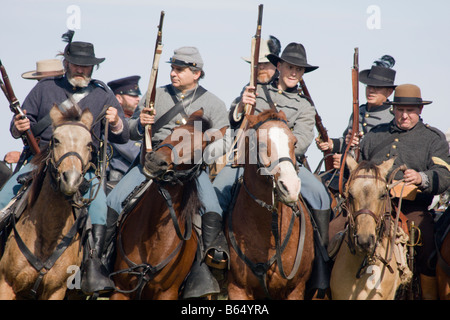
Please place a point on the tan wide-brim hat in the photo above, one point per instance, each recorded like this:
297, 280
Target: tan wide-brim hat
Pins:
44, 69
407, 95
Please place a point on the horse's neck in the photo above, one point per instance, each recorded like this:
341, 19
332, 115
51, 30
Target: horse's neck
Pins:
51, 210
260, 186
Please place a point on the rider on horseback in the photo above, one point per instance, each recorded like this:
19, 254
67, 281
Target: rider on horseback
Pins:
75, 86
174, 103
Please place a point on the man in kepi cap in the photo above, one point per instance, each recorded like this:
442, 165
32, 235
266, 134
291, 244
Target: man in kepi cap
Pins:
76, 86
173, 105
122, 155
282, 94
412, 143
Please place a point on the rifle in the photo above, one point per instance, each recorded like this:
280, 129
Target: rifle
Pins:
355, 125
14, 104
323, 133
249, 109
151, 91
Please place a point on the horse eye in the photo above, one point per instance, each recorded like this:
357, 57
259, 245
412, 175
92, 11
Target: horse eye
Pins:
56, 141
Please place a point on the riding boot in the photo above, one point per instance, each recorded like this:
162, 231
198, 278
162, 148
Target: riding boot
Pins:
214, 243
320, 278
429, 287
200, 282
108, 255
213, 253
95, 277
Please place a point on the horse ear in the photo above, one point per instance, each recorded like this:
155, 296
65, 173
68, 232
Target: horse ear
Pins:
87, 118
56, 115
385, 166
351, 163
197, 114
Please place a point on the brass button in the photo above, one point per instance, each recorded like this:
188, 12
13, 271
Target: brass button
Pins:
178, 122
280, 91
396, 139
394, 147
182, 97
388, 155
367, 115
364, 124
361, 133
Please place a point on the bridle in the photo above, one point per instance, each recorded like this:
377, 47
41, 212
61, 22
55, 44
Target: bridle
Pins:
260, 269
382, 221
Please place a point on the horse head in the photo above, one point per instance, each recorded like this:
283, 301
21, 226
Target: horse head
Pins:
70, 147
274, 152
180, 154
368, 201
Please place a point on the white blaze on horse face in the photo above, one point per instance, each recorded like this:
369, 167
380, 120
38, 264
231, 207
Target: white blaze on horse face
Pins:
288, 182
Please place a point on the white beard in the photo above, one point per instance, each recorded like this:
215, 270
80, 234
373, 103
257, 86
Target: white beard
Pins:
81, 83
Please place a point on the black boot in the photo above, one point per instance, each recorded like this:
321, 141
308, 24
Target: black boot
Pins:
214, 243
319, 281
214, 253
95, 277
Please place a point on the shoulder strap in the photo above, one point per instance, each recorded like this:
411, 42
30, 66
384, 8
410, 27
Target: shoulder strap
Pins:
177, 108
269, 98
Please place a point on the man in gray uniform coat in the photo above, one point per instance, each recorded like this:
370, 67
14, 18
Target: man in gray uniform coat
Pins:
187, 70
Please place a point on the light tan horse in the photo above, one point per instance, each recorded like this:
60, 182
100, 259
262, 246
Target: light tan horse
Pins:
368, 266
26, 269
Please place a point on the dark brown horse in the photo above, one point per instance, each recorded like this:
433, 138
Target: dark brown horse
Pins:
269, 228
44, 243
156, 244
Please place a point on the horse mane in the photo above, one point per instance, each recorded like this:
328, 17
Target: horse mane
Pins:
364, 165
266, 115
38, 175
206, 124
190, 202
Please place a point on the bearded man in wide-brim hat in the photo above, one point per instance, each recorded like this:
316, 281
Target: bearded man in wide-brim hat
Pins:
414, 144
76, 86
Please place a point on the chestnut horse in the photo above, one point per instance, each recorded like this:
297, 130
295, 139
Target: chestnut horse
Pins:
156, 244
269, 228
44, 242
371, 263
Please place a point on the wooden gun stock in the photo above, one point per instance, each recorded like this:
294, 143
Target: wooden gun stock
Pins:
151, 91
14, 104
323, 133
249, 109
355, 117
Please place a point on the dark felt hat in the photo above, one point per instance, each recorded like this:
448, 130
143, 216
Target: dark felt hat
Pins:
81, 53
295, 54
378, 76
127, 85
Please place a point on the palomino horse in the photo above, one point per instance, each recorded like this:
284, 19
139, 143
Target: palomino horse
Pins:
371, 263
269, 228
155, 243
44, 242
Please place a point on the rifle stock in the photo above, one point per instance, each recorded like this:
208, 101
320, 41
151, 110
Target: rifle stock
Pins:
151, 91
355, 117
249, 109
14, 104
323, 133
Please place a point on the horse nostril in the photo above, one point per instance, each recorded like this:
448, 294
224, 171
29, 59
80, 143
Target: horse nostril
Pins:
366, 242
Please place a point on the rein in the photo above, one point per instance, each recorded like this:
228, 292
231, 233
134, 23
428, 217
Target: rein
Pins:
260, 269
382, 222
145, 272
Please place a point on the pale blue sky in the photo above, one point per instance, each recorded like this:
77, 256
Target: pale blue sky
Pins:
414, 32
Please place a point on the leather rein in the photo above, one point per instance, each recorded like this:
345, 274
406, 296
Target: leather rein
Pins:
382, 221
145, 272
260, 269
79, 206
